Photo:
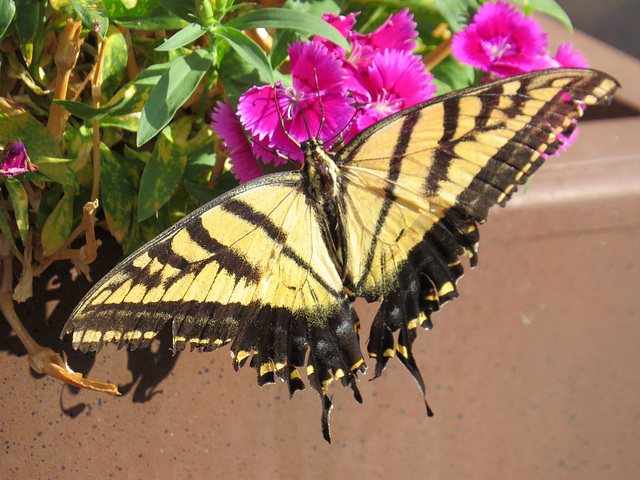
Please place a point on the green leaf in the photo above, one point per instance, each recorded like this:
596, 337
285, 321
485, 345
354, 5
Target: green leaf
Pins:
20, 203
172, 90
237, 76
201, 193
159, 19
48, 202
280, 48
115, 192
117, 9
16, 123
187, 35
57, 227
456, 12
317, 7
7, 9
115, 62
93, 14
126, 122
548, 7
129, 99
56, 170
163, 171
452, 75
225, 182
248, 50
293, 19
201, 161
5, 228
27, 19
185, 9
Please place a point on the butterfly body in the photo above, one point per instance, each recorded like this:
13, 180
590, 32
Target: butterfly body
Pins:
273, 266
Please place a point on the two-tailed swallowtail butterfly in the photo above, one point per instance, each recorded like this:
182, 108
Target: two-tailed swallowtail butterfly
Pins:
273, 266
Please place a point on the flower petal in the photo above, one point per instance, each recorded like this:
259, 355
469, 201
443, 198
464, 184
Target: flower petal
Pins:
227, 126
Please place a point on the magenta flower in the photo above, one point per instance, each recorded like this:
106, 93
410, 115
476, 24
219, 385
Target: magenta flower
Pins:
318, 93
567, 56
384, 75
395, 80
396, 33
502, 41
14, 160
381, 76
344, 24
226, 123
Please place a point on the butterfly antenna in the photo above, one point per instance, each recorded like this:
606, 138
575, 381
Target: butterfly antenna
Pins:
281, 118
322, 117
273, 151
346, 128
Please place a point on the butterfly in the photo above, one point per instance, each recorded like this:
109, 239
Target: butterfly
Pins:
272, 267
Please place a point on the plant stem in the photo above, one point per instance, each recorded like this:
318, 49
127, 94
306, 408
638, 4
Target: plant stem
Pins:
434, 57
66, 57
6, 305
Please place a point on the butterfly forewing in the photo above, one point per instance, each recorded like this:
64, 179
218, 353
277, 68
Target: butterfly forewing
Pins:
417, 184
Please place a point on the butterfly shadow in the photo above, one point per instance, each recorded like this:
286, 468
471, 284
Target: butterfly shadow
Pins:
55, 294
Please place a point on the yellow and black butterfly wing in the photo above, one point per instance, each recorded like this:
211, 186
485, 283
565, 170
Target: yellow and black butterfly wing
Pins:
252, 269
418, 182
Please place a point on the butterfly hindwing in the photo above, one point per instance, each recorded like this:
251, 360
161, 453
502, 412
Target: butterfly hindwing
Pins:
252, 269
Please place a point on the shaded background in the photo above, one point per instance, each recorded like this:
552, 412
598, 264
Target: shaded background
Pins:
615, 22
533, 373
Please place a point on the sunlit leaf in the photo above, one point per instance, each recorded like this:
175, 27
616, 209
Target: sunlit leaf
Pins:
456, 12
57, 227
115, 62
187, 35
163, 171
93, 14
7, 9
53, 169
115, 192
16, 123
20, 203
159, 19
248, 50
185, 9
5, 228
173, 89
130, 8
548, 7
293, 19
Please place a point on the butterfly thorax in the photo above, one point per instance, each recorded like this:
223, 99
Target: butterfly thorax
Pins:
321, 174
321, 182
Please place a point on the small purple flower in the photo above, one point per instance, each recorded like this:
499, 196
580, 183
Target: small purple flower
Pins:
226, 123
15, 160
503, 41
